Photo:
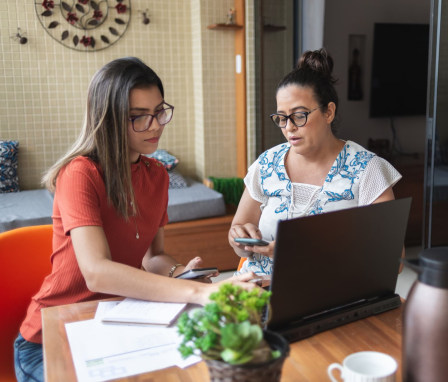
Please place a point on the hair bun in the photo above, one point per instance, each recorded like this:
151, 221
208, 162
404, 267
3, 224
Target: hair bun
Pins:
318, 61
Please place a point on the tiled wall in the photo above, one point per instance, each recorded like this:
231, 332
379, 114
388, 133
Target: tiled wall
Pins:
43, 84
276, 53
251, 70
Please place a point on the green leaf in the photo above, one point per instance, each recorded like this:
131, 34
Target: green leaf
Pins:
228, 327
235, 358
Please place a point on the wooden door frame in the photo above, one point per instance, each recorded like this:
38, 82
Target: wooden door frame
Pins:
240, 90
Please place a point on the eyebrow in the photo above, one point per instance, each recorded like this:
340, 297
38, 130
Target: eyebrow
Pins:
144, 108
295, 109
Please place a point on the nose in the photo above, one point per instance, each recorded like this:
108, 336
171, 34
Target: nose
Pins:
290, 125
155, 125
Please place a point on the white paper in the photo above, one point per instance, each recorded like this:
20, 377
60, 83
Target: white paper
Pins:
143, 312
104, 351
104, 307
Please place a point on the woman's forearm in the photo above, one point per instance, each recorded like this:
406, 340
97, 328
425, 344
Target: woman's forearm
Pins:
122, 280
163, 264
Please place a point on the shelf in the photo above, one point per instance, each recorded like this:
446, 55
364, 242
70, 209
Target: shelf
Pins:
273, 28
224, 26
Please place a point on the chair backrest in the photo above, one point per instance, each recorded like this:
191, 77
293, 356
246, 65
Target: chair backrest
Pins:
240, 264
25, 261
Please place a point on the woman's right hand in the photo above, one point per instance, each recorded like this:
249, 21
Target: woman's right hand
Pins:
243, 280
243, 230
249, 230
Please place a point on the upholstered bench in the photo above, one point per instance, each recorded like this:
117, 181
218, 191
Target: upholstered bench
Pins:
198, 223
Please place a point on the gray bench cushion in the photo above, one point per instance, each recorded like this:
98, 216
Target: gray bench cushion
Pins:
34, 207
24, 208
194, 202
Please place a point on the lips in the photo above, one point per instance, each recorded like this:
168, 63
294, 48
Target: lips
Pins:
294, 140
152, 140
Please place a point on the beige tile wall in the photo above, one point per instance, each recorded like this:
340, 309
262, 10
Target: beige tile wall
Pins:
251, 97
43, 84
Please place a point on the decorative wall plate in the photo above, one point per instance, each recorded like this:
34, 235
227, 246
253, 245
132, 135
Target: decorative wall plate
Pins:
84, 25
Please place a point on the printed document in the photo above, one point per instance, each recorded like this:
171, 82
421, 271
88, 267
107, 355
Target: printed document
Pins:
104, 351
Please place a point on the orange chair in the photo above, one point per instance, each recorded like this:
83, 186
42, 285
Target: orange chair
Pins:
240, 265
25, 261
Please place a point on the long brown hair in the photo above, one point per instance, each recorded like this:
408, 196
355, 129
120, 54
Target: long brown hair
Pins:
104, 134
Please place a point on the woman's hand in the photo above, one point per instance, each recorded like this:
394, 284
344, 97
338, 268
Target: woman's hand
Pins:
243, 230
242, 280
265, 250
196, 263
193, 264
249, 230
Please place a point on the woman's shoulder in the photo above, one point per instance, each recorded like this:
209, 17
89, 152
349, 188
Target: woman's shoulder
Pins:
153, 169
278, 151
152, 163
356, 147
82, 163
83, 166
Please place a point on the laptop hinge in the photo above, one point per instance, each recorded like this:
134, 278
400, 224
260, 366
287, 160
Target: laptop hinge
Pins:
350, 313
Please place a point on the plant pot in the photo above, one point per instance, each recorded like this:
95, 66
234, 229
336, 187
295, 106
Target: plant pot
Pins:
269, 371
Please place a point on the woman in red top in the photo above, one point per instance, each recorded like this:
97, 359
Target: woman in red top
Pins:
110, 207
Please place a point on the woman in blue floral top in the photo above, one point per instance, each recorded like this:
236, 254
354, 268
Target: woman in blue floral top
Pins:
313, 172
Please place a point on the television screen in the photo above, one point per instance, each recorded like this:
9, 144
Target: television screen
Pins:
399, 70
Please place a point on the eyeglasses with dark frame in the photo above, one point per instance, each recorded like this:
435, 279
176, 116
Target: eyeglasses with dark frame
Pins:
143, 122
298, 119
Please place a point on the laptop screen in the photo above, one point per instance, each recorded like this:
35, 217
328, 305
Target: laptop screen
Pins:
329, 261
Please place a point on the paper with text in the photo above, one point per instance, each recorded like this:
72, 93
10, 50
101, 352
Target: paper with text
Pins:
105, 351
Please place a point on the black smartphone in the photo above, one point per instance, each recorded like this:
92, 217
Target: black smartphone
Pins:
197, 273
250, 241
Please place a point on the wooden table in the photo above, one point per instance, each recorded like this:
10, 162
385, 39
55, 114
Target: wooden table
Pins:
308, 360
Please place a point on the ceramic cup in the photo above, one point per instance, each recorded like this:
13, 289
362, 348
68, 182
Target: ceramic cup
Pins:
365, 366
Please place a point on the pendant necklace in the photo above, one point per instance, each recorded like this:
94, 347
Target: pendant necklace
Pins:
137, 236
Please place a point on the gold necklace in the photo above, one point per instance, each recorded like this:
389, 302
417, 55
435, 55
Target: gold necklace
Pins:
137, 236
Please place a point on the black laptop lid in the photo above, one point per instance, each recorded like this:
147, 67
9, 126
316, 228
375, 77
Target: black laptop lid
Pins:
326, 261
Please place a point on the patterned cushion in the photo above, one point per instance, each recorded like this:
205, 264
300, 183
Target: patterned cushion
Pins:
168, 160
9, 181
177, 180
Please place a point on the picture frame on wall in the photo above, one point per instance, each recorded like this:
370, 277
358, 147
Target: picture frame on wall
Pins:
356, 54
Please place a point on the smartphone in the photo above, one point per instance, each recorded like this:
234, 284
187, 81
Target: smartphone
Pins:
250, 241
197, 273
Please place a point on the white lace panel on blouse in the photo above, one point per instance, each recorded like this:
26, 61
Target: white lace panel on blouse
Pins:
378, 176
302, 196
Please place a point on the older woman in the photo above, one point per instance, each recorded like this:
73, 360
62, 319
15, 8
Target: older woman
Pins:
313, 172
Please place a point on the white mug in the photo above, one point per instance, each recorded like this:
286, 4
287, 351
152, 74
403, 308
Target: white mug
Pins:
366, 366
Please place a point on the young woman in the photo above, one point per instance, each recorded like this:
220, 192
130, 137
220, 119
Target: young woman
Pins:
313, 172
110, 207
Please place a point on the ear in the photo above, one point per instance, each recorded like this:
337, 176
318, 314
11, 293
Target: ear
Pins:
330, 113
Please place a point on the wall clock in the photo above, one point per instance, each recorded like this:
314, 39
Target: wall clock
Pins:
84, 25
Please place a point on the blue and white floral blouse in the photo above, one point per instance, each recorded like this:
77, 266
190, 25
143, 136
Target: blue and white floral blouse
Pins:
357, 177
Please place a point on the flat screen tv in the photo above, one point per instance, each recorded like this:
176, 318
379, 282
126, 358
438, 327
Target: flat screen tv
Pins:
399, 70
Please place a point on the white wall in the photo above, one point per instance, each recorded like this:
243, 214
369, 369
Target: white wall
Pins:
345, 17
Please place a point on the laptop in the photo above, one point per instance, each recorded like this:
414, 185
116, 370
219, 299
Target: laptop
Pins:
336, 267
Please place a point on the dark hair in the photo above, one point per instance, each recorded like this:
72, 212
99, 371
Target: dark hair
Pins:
314, 69
104, 134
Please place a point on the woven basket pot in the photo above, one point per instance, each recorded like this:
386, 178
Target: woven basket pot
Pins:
269, 371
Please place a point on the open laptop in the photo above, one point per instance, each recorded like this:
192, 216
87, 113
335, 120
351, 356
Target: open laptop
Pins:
337, 267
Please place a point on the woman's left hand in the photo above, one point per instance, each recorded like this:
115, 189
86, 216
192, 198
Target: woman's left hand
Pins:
193, 264
265, 250
196, 263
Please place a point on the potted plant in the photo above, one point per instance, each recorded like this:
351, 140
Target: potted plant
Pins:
228, 334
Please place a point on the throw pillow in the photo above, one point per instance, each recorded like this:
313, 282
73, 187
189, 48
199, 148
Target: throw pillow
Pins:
169, 161
176, 180
9, 180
